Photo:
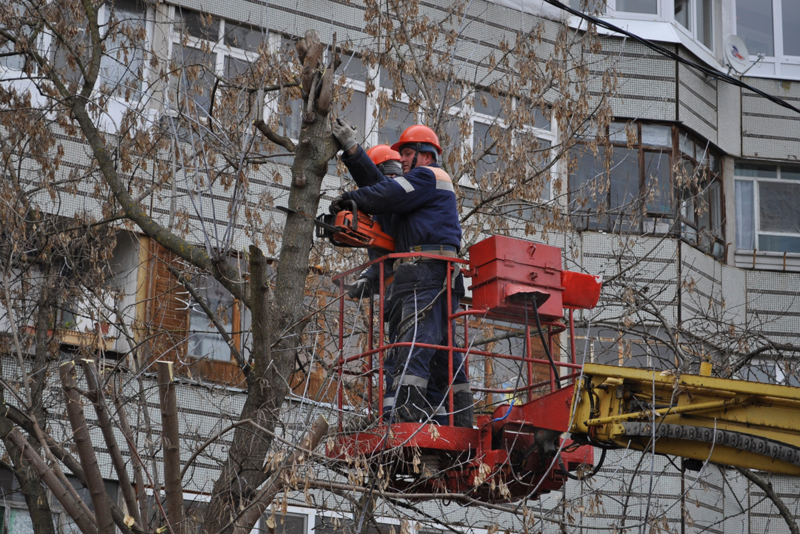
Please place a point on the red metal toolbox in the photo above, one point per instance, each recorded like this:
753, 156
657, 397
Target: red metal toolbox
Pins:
505, 269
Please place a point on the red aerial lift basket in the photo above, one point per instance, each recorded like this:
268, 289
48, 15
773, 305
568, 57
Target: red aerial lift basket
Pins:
515, 450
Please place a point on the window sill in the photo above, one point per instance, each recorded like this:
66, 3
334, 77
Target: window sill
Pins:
767, 261
784, 68
84, 339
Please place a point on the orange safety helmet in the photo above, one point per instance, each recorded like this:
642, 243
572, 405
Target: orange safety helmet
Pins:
381, 153
418, 133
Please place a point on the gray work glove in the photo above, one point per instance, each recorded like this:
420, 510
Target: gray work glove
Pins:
361, 288
344, 133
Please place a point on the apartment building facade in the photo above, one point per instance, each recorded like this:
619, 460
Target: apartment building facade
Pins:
697, 210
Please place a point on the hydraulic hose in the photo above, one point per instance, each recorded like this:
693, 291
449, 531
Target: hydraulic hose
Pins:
544, 343
584, 477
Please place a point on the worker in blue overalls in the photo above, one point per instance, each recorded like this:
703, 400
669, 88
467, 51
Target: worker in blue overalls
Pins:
424, 218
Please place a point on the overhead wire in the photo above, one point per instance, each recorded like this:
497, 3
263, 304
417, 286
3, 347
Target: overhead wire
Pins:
713, 73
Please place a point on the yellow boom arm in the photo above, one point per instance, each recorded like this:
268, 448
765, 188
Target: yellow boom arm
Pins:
730, 422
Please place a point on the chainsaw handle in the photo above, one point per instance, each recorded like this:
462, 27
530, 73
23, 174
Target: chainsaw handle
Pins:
354, 211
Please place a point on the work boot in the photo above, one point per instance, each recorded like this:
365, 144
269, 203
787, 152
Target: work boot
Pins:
410, 404
463, 412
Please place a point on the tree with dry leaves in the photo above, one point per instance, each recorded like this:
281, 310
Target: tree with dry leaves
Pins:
127, 123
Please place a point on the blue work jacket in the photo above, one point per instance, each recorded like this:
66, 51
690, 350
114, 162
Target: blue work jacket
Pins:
419, 208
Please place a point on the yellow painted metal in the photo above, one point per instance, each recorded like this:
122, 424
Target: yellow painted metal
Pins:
724, 456
644, 416
621, 395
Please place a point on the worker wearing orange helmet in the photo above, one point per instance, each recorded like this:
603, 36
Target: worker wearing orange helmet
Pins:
424, 218
388, 163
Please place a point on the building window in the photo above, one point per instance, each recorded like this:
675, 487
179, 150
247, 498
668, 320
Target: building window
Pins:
121, 68
396, 117
782, 372
644, 7
279, 523
204, 47
756, 25
356, 75
122, 63
632, 185
288, 106
767, 217
8, 60
529, 142
112, 489
700, 189
697, 17
488, 131
393, 101
205, 340
588, 6
649, 7
626, 186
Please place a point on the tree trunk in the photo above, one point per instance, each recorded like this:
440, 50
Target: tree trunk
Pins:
74, 507
83, 443
29, 482
249, 518
276, 322
170, 436
106, 426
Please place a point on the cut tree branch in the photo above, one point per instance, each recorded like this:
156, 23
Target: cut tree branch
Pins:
106, 426
172, 452
83, 443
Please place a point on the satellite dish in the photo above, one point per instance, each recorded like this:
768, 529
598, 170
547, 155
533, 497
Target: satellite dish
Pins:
736, 54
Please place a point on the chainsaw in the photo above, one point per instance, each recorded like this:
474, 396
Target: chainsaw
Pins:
353, 228
350, 228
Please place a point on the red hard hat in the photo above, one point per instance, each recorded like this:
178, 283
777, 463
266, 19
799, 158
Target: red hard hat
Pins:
381, 153
419, 133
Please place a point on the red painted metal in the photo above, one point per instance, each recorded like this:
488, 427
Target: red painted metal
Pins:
550, 412
340, 388
581, 290
504, 269
450, 370
510, 454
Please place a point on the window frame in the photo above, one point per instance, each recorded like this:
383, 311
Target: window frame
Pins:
586, 220
691, 32
490, 121
612, 11
221, 50
779, 61
715, 180
641, 149
756, 215
235, 326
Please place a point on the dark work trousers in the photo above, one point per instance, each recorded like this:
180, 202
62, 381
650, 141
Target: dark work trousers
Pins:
415, 285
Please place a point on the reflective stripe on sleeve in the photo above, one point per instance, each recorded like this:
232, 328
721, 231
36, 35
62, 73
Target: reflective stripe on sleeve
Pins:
443, 180
461, 387
445, 186
405, 184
